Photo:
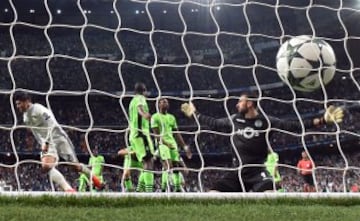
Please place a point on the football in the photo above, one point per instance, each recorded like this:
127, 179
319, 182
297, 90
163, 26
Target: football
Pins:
305, 62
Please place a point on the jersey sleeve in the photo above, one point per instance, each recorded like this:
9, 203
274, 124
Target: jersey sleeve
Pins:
42, 115
173, 122
141, 101
221, 123
45, 118
290, 125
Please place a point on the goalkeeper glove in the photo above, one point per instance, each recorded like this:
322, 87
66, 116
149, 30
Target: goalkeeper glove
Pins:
333, 114
188, 109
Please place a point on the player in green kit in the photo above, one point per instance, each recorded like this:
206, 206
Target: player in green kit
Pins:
96, 163
271, 166
164, 124
131, 163
139, 137
83, 182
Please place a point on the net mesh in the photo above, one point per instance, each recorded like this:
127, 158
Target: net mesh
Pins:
82, 58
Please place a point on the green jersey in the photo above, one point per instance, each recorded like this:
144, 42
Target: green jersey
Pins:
166, 123
271, 163
96, 163
137, 122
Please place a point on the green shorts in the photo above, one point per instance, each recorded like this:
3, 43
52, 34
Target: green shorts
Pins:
167, 153
142, 146
131, 163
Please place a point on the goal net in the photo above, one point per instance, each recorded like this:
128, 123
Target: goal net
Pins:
81, 59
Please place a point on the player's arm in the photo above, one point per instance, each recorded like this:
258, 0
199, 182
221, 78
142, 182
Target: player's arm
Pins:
332, 115
155, 125
222, 123
44, 118
143, 114
180, 140
124, 151
182, 164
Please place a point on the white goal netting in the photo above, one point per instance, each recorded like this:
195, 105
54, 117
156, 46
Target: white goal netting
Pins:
82, 58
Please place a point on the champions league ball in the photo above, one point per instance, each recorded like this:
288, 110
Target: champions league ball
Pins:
303, 62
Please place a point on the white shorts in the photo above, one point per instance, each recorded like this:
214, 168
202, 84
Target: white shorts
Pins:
61, 147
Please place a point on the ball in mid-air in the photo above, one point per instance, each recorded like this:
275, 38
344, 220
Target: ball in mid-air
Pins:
304, 62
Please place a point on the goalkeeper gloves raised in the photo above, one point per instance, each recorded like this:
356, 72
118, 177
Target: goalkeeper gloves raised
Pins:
188, 109
333, 114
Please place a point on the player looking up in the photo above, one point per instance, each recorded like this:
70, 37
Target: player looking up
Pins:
164, 125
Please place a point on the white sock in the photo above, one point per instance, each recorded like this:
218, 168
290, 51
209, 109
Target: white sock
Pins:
58, 178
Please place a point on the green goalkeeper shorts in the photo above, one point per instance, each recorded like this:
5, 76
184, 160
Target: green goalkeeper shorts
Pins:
131, 163
167, 153
142, 146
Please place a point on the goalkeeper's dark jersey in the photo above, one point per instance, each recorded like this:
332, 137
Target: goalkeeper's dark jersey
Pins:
250, 134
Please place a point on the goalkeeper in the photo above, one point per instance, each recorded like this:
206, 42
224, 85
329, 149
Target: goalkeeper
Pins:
164, 124
249, 140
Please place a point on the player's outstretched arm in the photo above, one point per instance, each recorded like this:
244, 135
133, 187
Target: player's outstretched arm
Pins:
332, 115
189, 110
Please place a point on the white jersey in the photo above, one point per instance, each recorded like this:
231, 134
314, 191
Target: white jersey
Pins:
43, 124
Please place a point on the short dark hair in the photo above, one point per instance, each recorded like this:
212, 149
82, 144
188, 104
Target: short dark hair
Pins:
139, 88
252, 96
21, 96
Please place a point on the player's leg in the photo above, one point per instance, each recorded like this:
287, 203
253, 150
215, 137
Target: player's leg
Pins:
166, 166
66, 151
175, 158
136, 165
259, 181
127, 183
83, 183
144, 151
229, 183
311, 185
48, 164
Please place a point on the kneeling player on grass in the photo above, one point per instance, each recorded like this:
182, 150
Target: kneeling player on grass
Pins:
131, 163
53, 140
249, 139
163, 125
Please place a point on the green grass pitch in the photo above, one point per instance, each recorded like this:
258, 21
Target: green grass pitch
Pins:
71, 208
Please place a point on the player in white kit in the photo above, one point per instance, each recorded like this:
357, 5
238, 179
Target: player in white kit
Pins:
53, 139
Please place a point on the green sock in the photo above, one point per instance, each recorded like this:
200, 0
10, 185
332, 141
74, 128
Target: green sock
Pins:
128, 185
149, 181
176, 180
164, 180
141, 184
